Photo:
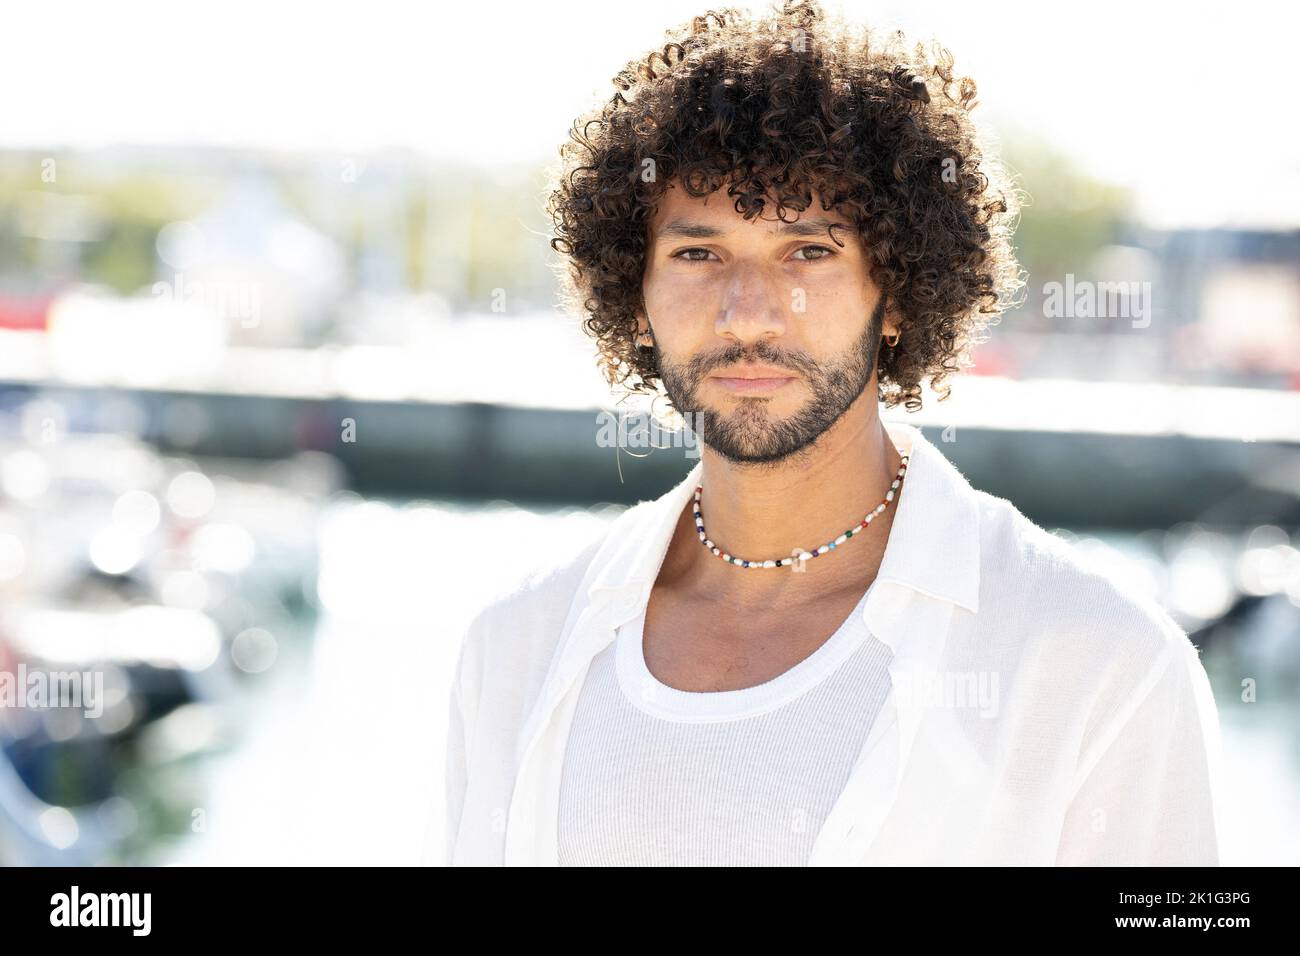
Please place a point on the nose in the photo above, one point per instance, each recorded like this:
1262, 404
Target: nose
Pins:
752, 309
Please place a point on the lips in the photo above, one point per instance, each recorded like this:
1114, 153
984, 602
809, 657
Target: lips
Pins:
753, 380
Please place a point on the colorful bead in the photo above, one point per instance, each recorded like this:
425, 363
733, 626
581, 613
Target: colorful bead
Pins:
803, 555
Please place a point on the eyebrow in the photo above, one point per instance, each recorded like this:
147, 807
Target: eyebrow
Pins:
687, 229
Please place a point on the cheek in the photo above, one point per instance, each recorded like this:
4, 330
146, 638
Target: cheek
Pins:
835, 318
676, 307
828, 335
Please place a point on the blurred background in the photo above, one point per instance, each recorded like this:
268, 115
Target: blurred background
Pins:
274, 287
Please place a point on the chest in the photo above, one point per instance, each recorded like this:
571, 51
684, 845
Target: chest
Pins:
710, 647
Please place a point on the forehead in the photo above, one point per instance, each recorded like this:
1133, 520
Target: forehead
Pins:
680, 215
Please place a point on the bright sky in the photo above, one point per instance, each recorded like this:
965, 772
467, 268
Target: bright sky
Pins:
1184, 102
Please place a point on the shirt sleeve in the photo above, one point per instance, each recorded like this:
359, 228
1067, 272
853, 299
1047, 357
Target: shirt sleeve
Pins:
459, 725
1147, 793
456, 773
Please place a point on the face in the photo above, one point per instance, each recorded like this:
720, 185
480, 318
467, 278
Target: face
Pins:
765, 332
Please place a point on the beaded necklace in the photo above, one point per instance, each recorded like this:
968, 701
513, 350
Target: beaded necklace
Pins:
806, 555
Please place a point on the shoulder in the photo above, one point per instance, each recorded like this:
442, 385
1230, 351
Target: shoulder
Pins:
514, 634
1079, 600
1080, 630
528, 610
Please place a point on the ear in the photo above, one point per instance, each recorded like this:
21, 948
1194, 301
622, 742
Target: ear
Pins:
892, 323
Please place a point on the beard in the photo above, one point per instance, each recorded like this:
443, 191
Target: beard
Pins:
750, 434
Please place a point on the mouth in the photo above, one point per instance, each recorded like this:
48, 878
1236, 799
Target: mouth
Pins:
753, 381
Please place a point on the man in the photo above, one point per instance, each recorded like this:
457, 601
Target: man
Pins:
822, 647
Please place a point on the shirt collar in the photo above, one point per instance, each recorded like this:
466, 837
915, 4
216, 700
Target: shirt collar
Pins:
933, 546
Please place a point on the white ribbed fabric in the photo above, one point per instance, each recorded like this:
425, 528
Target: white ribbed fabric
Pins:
656, 776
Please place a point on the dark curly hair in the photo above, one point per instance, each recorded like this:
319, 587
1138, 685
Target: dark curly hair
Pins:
775, 110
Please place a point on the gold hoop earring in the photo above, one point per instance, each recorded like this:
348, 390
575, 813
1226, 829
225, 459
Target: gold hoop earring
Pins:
893, 344
645, 340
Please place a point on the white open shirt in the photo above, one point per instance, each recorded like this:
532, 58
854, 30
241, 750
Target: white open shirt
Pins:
1041, 711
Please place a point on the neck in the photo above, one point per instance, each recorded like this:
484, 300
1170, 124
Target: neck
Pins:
766, 511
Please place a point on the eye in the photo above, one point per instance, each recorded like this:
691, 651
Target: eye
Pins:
823, 253
685, 255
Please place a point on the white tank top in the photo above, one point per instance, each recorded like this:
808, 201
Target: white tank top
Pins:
656, 776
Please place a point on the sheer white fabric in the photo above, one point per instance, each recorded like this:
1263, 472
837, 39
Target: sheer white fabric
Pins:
1040, 711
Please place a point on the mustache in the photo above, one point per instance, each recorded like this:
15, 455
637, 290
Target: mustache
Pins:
701, 365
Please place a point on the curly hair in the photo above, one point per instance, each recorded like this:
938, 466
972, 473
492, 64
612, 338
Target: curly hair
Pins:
774, 110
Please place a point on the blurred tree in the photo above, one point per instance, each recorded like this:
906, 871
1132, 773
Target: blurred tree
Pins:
1067, 216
